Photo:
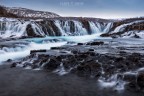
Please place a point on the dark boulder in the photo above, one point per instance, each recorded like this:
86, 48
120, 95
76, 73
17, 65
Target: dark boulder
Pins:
140, 80
75, 51
9, 60
118, 59
88, 69
27, 64
80, 44
91, 49
96, 43
52, 64
13, 65
134, 57
130, 77
35, 51
56, 48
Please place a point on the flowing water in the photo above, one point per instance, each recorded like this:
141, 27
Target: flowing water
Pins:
14, 49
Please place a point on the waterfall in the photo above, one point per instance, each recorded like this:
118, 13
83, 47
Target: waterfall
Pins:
95, 28
58, 24
8, 29
18, 28
108, 27
122, 27
37, 29
65, 28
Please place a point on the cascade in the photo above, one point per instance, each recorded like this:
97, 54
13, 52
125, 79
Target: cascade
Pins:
18, 28
122, 27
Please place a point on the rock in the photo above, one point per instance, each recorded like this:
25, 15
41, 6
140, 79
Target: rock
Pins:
34, 66
13, 65
56, 48
30, 31
74, 51
136, 36
122, 52
130, 77
90, 68
91, 49
118, 59
59, 58
70, 62
35, 51
134, 57
140, 80
9, 60
52, 64
91, 53
80, 44
83, 55
96, 43
27, 64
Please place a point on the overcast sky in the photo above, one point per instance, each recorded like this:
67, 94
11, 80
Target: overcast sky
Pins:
84, 8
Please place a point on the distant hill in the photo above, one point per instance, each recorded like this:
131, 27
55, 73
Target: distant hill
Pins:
4, 13
28, 13
14, 12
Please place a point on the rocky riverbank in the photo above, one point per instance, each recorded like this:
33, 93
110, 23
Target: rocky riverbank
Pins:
111, 65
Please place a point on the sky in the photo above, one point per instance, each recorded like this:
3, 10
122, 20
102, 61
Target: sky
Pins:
84, 8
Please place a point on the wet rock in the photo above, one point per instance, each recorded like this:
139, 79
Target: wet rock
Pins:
43, 56
34, 66
140, 80
83, 55
134, 57
91, 53
95, 43
91, 49
130, 77
80, 44
13, 65
52, 64
35, 51
136, 36
118, 59
9, 60
26, 64
30, 31
74, 51
122, 52
56, 48
59, 58
70, 62
88, 69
